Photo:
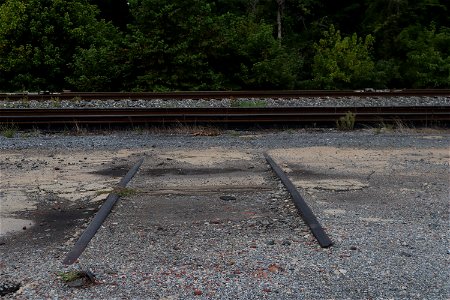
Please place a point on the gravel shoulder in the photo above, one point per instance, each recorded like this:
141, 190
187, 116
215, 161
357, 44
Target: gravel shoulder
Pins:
206, 218
235, 102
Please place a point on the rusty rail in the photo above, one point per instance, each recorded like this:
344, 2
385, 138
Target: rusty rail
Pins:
225, 94
221, 115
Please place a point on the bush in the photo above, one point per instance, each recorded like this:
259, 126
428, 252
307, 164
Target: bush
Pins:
343, 62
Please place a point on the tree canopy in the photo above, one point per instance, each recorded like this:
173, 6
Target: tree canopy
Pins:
149, 45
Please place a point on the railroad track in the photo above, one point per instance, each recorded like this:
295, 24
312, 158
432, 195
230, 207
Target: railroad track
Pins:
223, 94
223, 115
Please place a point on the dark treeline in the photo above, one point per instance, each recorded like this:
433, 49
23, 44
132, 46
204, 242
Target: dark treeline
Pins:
150, 45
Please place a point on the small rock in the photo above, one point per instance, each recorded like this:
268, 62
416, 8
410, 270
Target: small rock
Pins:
24, 227
353, 248
270, 242
266, 222
251, 222
57, 168
76, 283
197, 292
231, 262
274, 268
286, 243
406, 254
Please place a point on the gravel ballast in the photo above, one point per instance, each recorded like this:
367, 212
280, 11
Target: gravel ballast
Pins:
236, 102
206, 218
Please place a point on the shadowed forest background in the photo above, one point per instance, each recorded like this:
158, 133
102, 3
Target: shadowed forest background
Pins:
150, 45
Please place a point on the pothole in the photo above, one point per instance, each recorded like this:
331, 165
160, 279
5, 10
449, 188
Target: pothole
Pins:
8, 287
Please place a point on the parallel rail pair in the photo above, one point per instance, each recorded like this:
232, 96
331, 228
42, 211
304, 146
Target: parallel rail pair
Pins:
225, 94
222, 115
303, 208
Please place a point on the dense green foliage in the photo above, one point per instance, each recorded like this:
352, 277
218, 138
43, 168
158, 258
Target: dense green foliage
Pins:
150, 45
42, 40
342, 61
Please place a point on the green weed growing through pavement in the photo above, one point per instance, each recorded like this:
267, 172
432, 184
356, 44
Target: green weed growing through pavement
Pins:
70, 276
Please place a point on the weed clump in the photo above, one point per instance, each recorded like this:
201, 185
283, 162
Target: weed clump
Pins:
8, 130
56, 102
248, 104
346, 122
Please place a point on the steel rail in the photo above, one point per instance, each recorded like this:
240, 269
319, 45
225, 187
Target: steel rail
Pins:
301, 205
221, 115
225, 94
101, 215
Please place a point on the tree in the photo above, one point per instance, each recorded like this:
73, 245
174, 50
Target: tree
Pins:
99, 67
427, 63
169, 45
40, 38
250, 57
386, 19
116, 11
343, 62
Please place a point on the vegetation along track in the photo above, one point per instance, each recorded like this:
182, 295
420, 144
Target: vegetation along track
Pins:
244, 115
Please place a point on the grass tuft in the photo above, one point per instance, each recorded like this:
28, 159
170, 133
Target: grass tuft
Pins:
56, 102
8, 130
248, 103
346, 122
70, 276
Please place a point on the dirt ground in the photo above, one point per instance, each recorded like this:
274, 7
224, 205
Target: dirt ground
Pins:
36, 187
48, 195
